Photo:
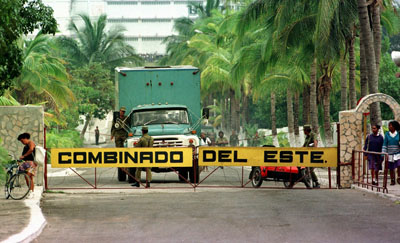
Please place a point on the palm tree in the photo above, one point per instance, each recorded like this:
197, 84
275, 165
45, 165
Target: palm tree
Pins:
367, 38
92, 43
44, 77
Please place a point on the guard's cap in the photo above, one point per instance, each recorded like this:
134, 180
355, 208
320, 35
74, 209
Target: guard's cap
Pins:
145, 128
307, 126
123, 108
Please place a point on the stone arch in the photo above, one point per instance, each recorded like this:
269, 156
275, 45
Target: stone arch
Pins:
379, 97
351, 132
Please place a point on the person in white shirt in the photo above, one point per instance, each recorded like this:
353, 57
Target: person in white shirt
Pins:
204, 141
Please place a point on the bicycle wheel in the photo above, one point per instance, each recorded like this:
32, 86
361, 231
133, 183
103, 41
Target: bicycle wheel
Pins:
7, 182
19, 186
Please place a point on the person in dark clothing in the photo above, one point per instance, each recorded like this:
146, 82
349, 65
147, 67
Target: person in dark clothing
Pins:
311, 141
97, 135
28, 155
374, 143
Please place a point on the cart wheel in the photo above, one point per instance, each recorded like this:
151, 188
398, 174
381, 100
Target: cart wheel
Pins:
257, 180
288, 184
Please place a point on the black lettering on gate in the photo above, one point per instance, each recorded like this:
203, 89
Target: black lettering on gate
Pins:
209, 152
61, 160
316, 157
269, 156
132, 158
94, 159
301, 153
80, 158
286, 157
110, 157
159, 154
236, 159
223, 156
121, 158
179, 154
146, 156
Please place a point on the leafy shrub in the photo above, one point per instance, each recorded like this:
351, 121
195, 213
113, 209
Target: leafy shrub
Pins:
283, 140
4, 159
63, 139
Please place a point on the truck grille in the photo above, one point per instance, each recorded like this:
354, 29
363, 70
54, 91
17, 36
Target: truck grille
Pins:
167, 142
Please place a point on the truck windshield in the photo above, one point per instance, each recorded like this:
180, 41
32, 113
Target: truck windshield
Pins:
164, 116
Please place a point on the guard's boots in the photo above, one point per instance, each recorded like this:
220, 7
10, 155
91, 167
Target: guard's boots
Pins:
137, 184
316, 184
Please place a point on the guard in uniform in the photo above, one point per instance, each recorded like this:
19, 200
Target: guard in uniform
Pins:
120, 133
145, 141
118, 128
311, 141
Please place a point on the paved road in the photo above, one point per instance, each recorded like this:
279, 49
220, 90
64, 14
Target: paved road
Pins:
220, 215
14, 215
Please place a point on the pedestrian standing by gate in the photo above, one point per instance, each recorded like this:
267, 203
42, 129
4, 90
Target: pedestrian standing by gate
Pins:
392, 147
221, 140
204, 141
374, 143
120, 133
145, 141
311, 141
97, 135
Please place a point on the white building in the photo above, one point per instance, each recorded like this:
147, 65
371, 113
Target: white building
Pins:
147, 22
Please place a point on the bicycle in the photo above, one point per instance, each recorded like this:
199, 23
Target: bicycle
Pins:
18, 182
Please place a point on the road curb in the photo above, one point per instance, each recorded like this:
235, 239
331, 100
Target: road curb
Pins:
37, 222
381, 194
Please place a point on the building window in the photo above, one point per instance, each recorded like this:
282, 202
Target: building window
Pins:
122, 2
155, 2
153, 38
131, 38
188, 2
156, 20
122, 20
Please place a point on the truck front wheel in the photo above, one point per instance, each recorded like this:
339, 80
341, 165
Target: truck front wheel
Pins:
183, 174
121, 175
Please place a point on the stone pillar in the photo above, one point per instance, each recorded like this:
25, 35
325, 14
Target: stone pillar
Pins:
350, 139
15, 120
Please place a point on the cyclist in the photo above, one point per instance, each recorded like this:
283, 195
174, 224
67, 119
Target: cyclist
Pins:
28, 155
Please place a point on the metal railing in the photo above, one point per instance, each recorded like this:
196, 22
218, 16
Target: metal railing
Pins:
361, 173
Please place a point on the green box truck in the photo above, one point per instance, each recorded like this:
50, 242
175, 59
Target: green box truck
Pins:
167, 100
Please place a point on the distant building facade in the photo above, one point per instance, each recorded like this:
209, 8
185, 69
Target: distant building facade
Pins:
147, 22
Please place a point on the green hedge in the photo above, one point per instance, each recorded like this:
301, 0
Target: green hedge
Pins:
63, 139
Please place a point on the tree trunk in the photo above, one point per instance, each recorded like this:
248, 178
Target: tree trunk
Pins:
245, 107
313, 98
376, 25
235, 112
326, 87
370, 58
306, 105
85, 126
290, 117
377, 32
273, 120
363, 68
343, 84
296, 105
352, 74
